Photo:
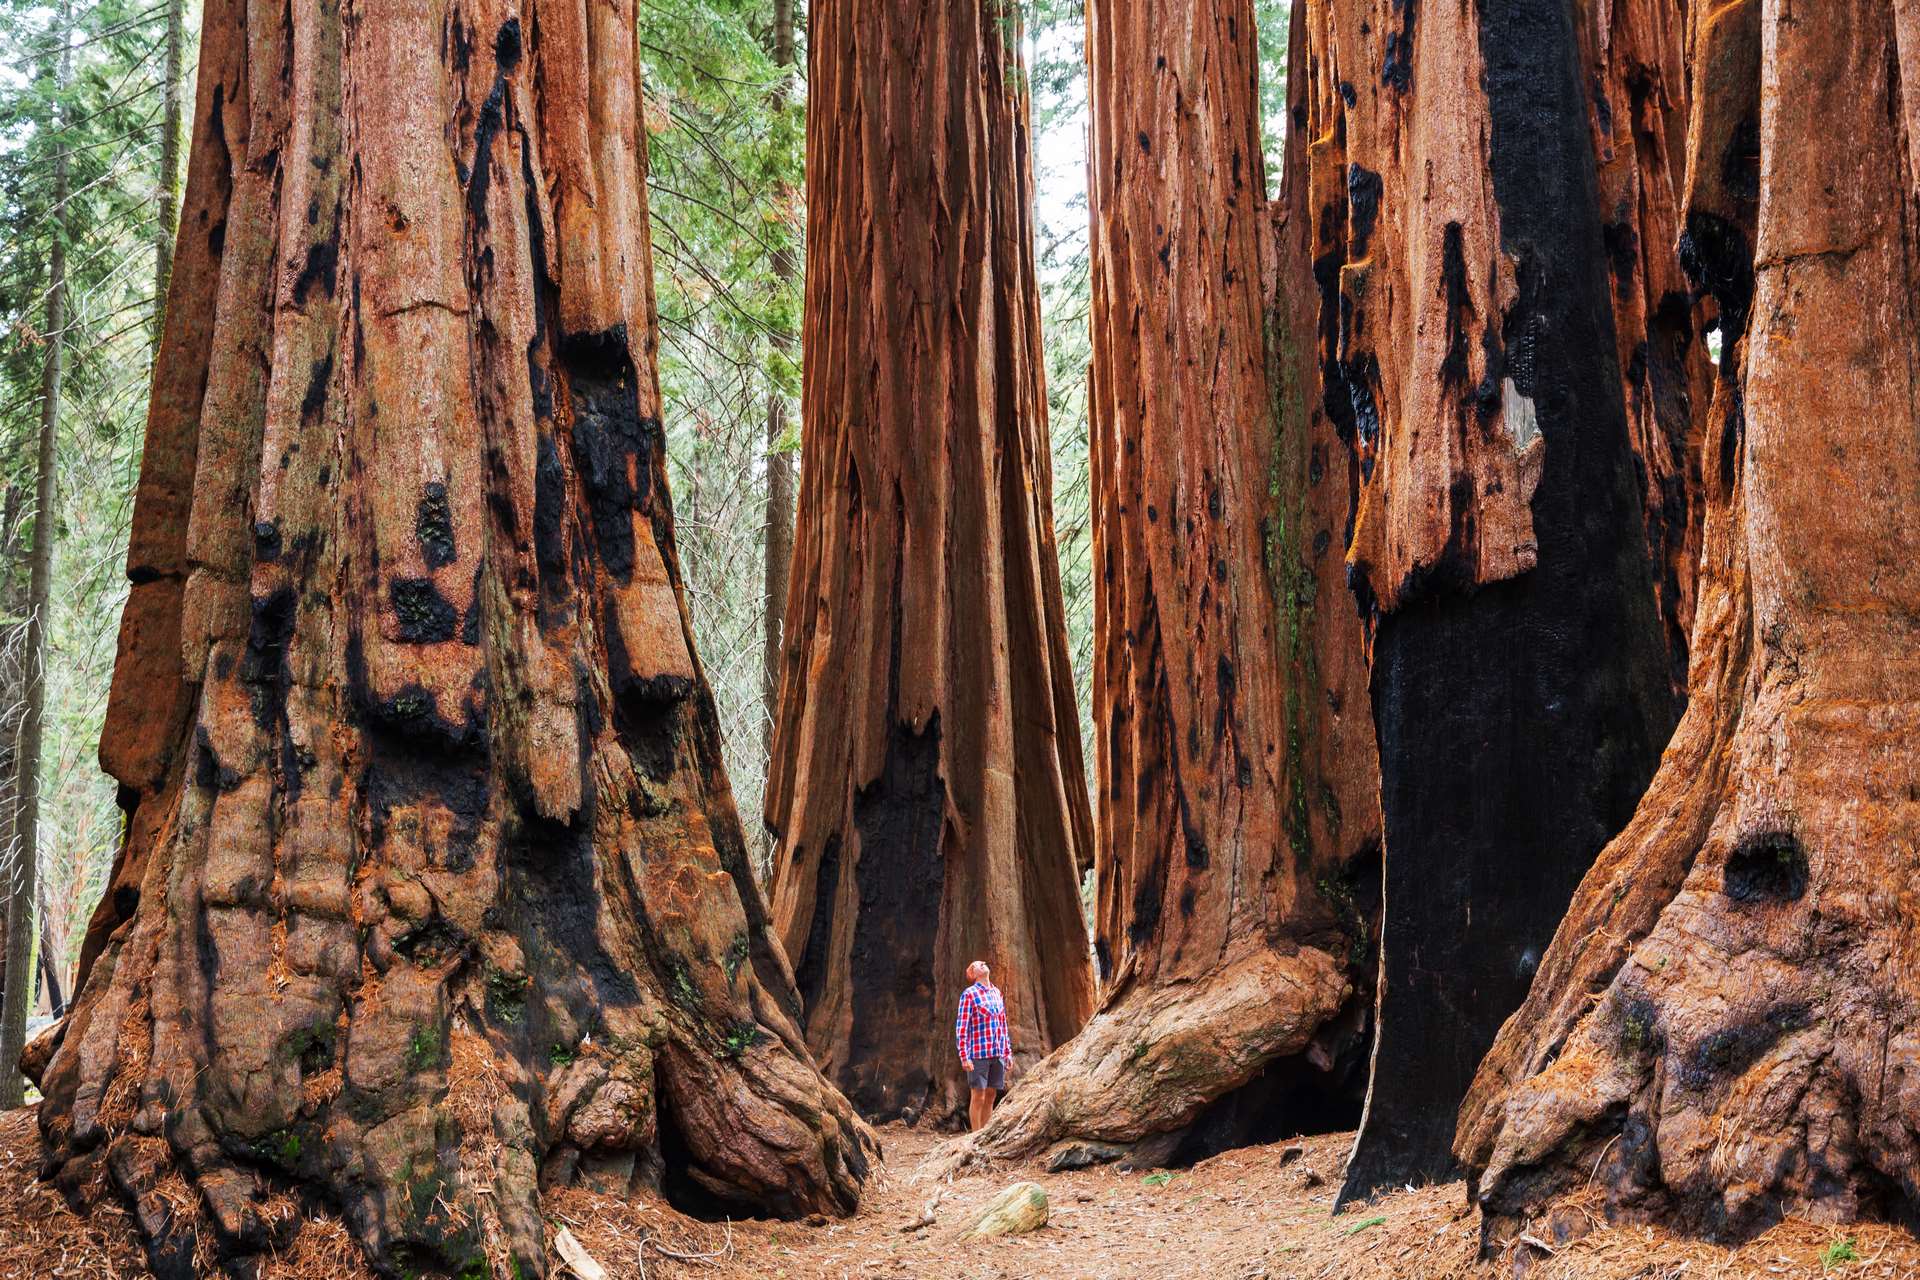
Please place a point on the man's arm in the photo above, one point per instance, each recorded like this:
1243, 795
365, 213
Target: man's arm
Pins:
961, 1025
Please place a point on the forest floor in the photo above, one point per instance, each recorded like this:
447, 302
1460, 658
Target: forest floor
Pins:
1259, 1213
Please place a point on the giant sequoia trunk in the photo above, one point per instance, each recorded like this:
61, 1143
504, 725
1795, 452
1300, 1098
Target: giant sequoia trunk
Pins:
1724, 1026
926, 786
1239, 831
1521, 685
433, 892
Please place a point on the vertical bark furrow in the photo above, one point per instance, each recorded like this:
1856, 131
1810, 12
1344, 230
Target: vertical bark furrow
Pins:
1637, 107
922, 791
437, 895
1732, 965
1521, 683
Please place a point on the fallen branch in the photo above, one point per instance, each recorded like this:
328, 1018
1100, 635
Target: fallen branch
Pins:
926, 1214
575, 1255
716, 1255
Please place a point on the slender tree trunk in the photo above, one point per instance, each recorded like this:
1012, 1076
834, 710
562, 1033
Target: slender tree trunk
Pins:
1723, 1030
166, 200
779, 542
433, 892
13, 602
1496, 537
23, 881
1239, 837
926, 790
50, 966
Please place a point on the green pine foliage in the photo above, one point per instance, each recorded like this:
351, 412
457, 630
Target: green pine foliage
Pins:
728, 199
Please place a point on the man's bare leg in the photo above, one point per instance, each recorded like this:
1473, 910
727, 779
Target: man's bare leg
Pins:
979, 1107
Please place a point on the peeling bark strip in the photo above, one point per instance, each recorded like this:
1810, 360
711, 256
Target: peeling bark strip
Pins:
1521, 689
433, 892
1724, 1029
1238, 822
926, 788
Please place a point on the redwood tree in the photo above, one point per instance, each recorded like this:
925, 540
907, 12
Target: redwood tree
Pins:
926, 784
1496, 542
1724, 1027
1239, 832
433, 892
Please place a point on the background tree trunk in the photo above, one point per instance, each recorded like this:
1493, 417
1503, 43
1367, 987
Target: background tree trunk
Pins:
432, 879
13, 603
926, 785
52, 987
22, 884
166, 196
779, 545
1239, 836
1722, 1030
1521, 685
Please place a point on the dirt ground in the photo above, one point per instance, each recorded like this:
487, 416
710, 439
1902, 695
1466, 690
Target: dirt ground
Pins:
1261, 1213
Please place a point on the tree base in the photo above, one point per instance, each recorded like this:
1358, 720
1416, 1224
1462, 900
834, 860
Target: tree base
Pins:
430, 1104
1725, 1030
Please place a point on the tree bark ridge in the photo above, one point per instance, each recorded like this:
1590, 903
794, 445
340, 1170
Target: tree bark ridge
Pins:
1721, 1032
432, 881
926, 779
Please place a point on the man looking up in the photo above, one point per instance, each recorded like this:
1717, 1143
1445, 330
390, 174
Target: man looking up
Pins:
980, 1032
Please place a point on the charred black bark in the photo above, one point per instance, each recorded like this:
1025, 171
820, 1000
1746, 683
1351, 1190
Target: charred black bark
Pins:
1518, 724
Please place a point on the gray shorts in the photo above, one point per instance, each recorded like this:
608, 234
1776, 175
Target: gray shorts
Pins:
988, 1073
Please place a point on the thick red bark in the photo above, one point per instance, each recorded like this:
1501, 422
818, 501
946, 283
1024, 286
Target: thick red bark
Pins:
926, 784
1237, 783
1724, 1027
433, 892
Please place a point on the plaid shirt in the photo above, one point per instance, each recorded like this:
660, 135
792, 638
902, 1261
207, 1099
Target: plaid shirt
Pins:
981, 1029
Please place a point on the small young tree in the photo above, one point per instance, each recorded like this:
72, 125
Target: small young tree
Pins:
21, 856
778, 557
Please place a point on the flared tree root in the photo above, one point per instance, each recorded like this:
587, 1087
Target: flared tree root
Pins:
428, 1103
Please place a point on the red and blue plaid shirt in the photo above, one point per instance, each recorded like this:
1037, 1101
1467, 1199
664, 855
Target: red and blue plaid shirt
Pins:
981, 1029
